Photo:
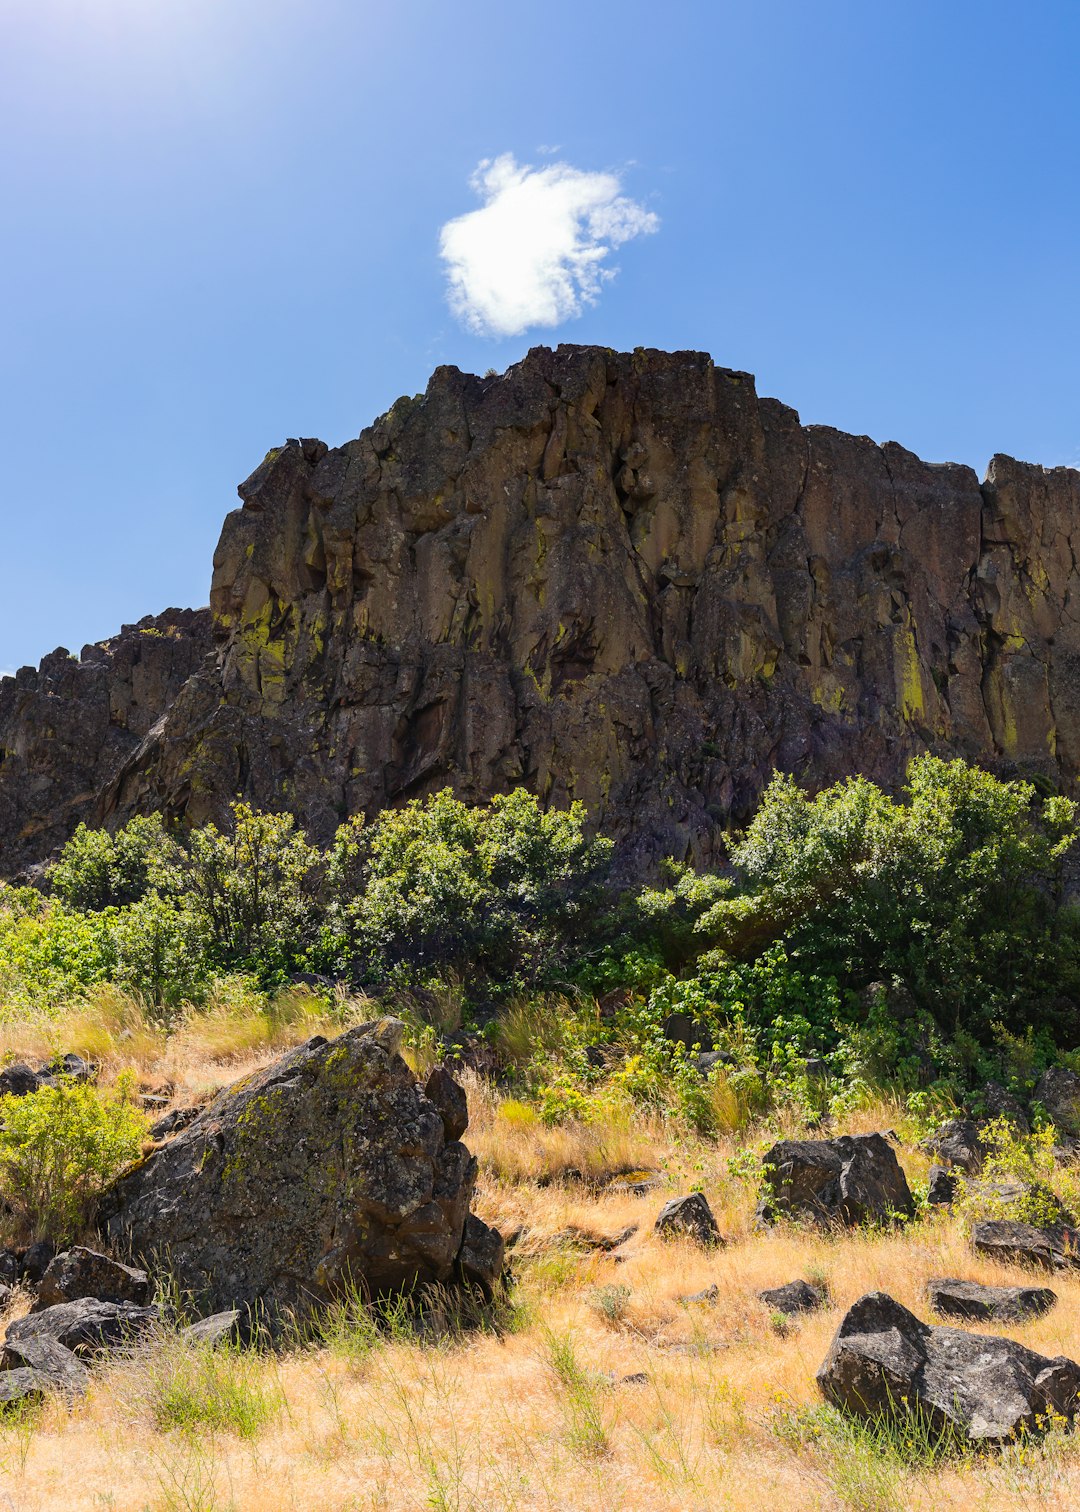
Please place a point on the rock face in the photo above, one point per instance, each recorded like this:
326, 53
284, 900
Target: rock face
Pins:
850, 1180
884, 1361
623, 578
329, 1166
68, 726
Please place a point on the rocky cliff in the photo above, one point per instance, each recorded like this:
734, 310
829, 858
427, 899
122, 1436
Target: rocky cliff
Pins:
623, 578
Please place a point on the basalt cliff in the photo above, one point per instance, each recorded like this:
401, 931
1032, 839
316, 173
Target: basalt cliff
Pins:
621, 578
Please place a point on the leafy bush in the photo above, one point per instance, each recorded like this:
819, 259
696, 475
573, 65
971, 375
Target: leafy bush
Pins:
98, 870
62, 1146
502, 890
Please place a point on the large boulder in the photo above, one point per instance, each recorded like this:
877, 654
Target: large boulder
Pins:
85, 1327
850, 1180
884, 1362
689, 1217
329, 1168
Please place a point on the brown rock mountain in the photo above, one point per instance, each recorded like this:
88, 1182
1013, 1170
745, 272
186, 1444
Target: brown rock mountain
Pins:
623, 578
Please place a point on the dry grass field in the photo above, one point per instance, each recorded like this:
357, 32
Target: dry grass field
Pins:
599, 1388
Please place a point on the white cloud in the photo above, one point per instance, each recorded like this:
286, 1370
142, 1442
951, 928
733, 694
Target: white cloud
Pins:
533, 254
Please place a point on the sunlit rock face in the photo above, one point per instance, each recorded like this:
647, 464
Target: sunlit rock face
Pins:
622, 578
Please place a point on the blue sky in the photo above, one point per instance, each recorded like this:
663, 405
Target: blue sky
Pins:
221, 226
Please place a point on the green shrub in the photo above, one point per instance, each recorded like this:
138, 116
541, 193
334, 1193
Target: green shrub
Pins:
98, 870
61, 1147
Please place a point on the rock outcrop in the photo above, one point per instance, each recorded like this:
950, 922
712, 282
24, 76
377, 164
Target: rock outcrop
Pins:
623, 578
884, 1362
329, 1168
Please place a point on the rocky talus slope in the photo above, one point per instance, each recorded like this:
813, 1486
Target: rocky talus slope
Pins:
623, 578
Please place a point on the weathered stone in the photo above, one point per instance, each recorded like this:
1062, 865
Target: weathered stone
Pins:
449, 1098
36, 1260
482, 590
681, 1029
1056, 1247
1059, 1092
6, 1294
884, 1362
480, 1259
942, 1187
853, 1179
10, 1267
958, 1143
227, 1327
988, 1304
18, 1080
704, 1298
999, 1102
85, 1327
80, 1272
70, 1065
689, 1217
709, 1060
172, 1123
328, 1168
43, 1353
20, 1387
796, 1297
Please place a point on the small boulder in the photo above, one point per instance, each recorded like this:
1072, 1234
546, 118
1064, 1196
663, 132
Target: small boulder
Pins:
449, 1097
957, 1143
1059, 1092
998, 1102
794, 1298
36, 1260
172, 1123
704, 1298
942, 1189
72, 1066
80, 1272
689, 1217
42, 1353
988, 1304
1054, 1248
707, 1061
850, 1180
10, 1267
480, 1259
22, 1386
227, 1327
85, 1327
884, 1362
18, 1080
681, 1029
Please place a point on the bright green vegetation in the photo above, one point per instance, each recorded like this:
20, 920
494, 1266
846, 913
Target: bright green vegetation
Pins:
924, 942
61, 1148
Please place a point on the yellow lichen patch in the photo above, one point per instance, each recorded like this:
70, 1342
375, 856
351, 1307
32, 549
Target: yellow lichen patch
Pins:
909, 687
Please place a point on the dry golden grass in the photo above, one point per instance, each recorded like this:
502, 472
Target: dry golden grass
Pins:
541, 1416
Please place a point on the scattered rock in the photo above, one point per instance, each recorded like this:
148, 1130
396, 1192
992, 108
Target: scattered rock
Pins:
589, 1239
796, 1297
85, 1327
690, 1217
6, 1294
83, 1272
638, 1378
1053, 1248
18, 1080
636, 1183
72, 1066
10, 1267
328, 1168
708, 1060
704, 1298
883, 1360
449, 1098
1059, 1092
853, 1179
942, 1188
229, 1327
1011, 1198
36, 1260
988, 1304
957, 1143
998, 1102
681, 1029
